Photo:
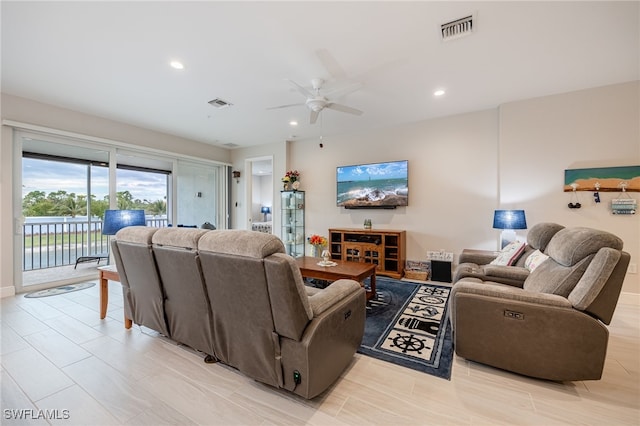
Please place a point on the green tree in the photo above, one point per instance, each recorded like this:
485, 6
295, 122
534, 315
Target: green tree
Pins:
71, 204
35, 203
99, 206
125, 200
62, 203
157, 207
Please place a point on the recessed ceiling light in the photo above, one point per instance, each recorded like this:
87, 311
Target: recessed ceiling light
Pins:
177, 65
438, 92
293, 123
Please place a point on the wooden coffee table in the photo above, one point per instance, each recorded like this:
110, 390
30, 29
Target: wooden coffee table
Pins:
351, 270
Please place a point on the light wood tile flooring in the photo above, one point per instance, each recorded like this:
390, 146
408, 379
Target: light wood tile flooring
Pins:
56, 354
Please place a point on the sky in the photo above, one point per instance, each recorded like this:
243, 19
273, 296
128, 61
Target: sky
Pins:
52, 176
391, 170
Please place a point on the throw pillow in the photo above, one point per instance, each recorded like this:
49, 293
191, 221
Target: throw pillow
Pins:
534, 260
510, 254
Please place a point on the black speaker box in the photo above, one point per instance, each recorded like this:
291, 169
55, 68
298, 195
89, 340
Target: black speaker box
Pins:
441, 271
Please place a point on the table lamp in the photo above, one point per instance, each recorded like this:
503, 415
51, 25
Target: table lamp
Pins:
115, 220
265, 210
508, 220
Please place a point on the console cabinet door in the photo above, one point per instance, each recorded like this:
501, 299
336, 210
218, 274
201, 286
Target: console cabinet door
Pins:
363, 252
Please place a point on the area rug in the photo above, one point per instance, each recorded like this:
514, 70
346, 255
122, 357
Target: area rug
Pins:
407, 324
60, 290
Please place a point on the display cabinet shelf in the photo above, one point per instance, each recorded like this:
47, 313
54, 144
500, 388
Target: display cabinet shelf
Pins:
292, 206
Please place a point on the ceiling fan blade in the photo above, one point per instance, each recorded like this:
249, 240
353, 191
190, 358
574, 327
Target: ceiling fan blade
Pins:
314, 117
344, 91
286, 106
343, 108
306, 93
330, 64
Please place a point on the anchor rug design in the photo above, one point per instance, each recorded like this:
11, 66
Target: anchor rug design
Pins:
407, 324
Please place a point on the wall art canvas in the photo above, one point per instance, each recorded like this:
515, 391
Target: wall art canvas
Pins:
607, 179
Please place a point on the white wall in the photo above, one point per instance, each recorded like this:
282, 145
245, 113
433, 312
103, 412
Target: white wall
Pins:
540, 138
28, 111
452, 175
462, 168
34, 113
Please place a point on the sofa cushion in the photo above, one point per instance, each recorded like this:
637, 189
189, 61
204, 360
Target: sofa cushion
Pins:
136, 234
534, 260
241, 243
186, 238
571, 245
540, 234
510, 254
554, 278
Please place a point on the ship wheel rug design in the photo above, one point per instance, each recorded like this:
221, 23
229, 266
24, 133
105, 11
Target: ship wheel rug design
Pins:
407, 324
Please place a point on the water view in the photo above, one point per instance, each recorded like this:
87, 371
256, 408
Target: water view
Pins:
373, 185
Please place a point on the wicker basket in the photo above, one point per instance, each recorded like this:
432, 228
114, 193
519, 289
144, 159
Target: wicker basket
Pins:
415, 275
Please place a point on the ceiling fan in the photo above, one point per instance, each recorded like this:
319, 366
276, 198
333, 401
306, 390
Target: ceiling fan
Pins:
316, 101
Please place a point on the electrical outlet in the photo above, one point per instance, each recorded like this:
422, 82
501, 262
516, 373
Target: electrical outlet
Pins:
633, 268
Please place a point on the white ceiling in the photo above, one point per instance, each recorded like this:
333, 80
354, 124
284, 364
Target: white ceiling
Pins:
111, 59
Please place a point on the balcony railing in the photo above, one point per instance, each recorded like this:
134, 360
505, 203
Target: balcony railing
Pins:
59, 242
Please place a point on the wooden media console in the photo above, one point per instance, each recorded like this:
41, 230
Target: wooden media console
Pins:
385, 248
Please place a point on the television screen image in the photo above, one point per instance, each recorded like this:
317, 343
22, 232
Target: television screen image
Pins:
376, 185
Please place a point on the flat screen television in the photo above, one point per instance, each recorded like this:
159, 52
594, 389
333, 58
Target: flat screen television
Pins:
373, 186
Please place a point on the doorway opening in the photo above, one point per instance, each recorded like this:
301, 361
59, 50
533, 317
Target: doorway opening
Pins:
259, 192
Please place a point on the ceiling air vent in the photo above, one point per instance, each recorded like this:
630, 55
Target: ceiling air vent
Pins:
219, 103
230, 145
456, 29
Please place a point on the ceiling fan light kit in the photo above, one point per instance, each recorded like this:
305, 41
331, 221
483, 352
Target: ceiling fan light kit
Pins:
316, 102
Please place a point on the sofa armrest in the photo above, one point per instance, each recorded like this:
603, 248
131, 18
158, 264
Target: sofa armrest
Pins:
311, 290
479, 257
511, 273
327, 297
509, 293
535, 334
327, 345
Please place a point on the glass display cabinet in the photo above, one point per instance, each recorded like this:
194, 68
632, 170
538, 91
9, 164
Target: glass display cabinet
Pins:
292, 206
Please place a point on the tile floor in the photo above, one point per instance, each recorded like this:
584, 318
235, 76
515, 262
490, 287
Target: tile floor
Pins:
57, 355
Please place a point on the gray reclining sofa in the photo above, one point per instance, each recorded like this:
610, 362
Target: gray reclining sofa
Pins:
239, 298
477, 264
552, 326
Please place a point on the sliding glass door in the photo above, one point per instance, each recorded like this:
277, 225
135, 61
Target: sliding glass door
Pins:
64, 194
65, 186
198, 195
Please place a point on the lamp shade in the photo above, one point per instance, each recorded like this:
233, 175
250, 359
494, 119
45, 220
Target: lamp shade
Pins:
265, 210
509, 219
115, 220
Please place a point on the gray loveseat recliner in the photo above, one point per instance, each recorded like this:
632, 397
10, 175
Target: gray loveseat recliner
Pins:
554, 326
240, 299
478, 265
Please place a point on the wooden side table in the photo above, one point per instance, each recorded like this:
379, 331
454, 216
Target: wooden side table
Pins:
108, 273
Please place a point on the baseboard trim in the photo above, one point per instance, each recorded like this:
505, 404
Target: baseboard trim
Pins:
7, 291
629, 298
